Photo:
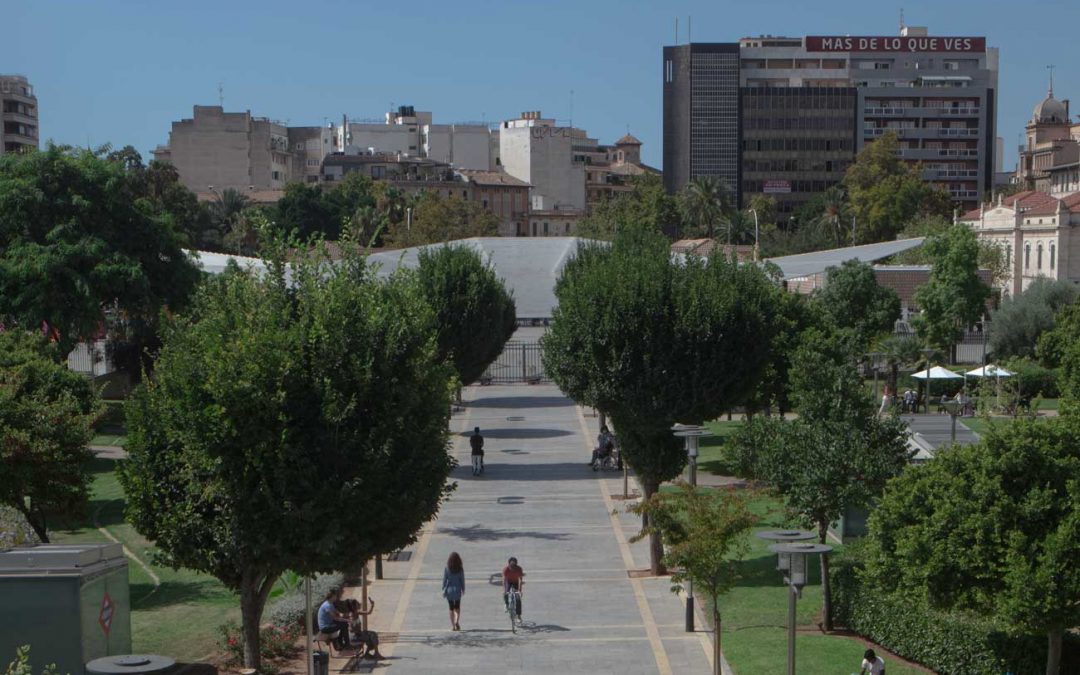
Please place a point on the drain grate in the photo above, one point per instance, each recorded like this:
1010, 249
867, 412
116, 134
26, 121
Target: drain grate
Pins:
515, 418
515, 451
510, 500
399, 556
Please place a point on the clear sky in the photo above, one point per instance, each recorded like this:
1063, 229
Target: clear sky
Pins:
121, 72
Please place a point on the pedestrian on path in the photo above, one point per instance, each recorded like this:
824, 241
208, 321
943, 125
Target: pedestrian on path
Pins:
453, 587
476, 441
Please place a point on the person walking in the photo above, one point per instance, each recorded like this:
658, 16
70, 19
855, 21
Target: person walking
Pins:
476, 441
453, 587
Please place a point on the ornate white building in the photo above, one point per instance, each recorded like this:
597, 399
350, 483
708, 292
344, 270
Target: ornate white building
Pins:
1037, 233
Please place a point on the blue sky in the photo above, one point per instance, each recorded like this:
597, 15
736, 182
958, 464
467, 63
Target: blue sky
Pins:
120, 72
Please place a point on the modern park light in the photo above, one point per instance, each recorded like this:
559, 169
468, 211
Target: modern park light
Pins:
793, 548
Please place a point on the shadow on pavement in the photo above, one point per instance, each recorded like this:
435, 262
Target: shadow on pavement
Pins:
510, 432
481, 533
534, 472
521, 402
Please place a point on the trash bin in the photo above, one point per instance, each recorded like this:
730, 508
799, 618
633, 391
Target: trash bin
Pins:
322, 662
138, 664
69, 602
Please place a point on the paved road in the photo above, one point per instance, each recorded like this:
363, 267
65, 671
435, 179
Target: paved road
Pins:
936, 430
539, 502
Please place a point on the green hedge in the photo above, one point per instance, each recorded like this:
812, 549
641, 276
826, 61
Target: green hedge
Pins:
948, 643
289, 608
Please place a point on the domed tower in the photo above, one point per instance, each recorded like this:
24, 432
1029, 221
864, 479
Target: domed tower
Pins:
1049, 121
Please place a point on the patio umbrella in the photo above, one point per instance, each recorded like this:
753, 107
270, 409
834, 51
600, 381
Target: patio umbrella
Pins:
935, 373
989, 371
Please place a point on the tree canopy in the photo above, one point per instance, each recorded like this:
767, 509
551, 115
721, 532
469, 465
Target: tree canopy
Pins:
954, 298
47, 414
438, 219
853, 301
1022, 319
79, 235
992, 528
705, 203
474, 312
294, 422
645, 205
885, 192
650, 341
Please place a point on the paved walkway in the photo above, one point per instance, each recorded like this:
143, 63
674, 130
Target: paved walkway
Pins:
936, 430
537, 501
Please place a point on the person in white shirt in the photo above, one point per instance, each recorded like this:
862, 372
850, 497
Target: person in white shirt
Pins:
872, 664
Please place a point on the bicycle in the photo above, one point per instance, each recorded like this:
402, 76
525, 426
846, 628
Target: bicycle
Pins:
513, 607
608, 462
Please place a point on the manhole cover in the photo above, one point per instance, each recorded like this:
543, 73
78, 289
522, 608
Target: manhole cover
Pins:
515, 418
510, 500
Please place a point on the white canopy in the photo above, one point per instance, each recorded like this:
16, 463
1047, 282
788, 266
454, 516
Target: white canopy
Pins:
989, 371
937, 373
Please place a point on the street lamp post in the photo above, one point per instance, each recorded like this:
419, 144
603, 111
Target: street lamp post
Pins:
691, 434
757, 234
796, 554
927, 354
873, 366
953, 407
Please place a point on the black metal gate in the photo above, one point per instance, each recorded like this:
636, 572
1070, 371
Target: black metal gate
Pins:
519, 362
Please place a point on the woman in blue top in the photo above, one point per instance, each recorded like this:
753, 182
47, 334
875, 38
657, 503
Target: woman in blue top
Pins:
453, 587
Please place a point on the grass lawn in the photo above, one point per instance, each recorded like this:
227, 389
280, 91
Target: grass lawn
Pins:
711, 455
180, 617
109, 439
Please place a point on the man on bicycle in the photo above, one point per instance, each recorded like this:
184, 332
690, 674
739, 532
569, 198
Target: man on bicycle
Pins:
513, 577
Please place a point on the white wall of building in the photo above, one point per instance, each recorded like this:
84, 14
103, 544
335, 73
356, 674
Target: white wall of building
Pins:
540, 153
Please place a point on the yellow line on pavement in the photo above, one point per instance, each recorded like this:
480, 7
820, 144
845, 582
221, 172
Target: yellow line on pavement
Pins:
662, 663
405, 598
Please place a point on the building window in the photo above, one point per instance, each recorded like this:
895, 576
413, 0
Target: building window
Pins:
545, 228
534, 228
1038, 257
1027, 256
1052, 251
1008, 256
485, 203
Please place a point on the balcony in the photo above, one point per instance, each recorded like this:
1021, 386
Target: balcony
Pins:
22, 118
964, 194
941, 174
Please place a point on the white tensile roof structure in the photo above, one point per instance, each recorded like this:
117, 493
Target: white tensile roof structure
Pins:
806, 264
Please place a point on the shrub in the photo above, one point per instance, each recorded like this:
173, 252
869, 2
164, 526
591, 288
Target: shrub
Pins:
948, 643
1032, 379
289, 608
276, 642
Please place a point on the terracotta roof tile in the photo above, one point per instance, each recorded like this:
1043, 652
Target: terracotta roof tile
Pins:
481, 177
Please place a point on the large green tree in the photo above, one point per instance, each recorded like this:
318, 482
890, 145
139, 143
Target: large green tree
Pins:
837, 455
992, 528
650, 340
884, 192
295, 422
47, 413
474, 312
78, 237
438, 219
645, 204
853, 301
954, 297
1021, 320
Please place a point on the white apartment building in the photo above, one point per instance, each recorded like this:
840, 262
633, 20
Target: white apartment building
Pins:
18, 114
537, 151
407, 131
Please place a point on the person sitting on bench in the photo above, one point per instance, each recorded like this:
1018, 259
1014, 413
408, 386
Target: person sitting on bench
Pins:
331, 620
368, 638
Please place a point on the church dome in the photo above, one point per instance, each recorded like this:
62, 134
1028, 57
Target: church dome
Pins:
1050, 110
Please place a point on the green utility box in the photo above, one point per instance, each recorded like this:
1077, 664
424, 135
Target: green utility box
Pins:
69, 603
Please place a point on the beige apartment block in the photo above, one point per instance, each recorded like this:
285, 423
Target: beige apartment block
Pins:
18, 114
217, 150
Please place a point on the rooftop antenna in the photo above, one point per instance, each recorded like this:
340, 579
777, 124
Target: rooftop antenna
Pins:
689, 37
902, 26
1050, 92
676, 30
221, 95
571, 108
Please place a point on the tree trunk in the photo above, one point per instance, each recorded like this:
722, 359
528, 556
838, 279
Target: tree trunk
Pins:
1053, 652
717, 653
254, 589
36, 523
656, 547
826, 587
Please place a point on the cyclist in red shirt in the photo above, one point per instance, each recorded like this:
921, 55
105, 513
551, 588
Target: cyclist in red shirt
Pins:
513, 577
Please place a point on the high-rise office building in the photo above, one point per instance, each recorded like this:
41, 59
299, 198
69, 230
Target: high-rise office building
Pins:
786, 116
19, 114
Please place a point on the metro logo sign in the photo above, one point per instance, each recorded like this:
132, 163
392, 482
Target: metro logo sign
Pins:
847, 43
105, 616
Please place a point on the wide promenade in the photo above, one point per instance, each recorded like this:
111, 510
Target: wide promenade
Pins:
538, 501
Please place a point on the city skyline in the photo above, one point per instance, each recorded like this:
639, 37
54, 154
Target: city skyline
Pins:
470, 61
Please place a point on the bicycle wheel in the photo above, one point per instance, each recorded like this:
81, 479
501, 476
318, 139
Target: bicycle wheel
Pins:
511, 604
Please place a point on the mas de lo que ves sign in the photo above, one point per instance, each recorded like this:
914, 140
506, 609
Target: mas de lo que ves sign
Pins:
881, 43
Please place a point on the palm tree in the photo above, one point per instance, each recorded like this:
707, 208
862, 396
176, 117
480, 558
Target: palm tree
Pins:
899, 350
227, 216
835, 213
703, 203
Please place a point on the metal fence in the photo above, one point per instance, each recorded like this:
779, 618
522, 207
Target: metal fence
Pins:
972, 348
519, 362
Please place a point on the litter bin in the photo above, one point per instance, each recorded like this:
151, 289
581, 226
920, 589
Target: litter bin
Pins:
138, 664
68, 602
322, 662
